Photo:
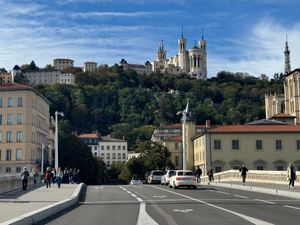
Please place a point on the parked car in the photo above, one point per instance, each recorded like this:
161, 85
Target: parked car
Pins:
155, 177
183, 178
166, 177
136, 180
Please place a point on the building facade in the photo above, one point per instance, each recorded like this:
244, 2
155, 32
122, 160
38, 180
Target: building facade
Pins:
24, 127
61, 64
111, 150
5, 78
141, 69
90, 67
258, 146
192, 62
49, 77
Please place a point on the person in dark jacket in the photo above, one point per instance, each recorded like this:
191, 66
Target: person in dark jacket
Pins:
24, 178
243, 170
198, 174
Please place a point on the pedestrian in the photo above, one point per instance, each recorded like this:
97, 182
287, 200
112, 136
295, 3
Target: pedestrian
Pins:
59, 176
53, 175
24, 178
35, 174
198, 173
210, 174
291, 175
243, 170
48, 177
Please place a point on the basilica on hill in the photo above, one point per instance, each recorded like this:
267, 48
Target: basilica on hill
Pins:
286, 107
192, 62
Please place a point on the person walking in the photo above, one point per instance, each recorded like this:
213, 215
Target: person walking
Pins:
35, 174
291, 175
243, 170
59, 176
24, 178
210, 174
48, 177
198, 173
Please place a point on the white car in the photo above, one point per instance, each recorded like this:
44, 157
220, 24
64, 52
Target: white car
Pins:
155, 176
165, 179
135, 181
183, 178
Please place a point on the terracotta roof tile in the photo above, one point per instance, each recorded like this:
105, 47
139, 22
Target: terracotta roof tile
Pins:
255, 129
88, 136
283, 115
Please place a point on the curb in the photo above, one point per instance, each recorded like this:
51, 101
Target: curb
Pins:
47, 211
277, 192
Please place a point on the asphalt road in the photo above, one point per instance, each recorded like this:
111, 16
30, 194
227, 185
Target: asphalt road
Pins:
157, 204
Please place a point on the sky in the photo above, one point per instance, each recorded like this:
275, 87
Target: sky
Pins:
242, 35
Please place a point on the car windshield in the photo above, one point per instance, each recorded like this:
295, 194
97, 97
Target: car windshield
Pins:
171, 172
158, 173
135, 178
185, 173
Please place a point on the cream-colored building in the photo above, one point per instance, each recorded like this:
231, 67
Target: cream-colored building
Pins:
24, 127
258, 146
5, 77
192, 62
61, 64
174, 146
90, 67
141, 69
49, 77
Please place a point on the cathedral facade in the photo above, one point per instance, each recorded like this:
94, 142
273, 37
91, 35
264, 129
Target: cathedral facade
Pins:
286, 107
192, 62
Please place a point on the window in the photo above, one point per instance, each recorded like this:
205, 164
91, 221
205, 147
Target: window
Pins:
95, 154
0, 119
119, 147
20, 118
7, 170
102, 147
18, 154
235, 167
278, 144
177, 145
8, 154
258, 144
217, 144
298, 144
19, 136
107, 147
0, 155
124, 148
1, 102
9, 119
102, 155
114, 156
218, 169
9, 136
0, 137
20, 101
235, 144
18, 169
259, 167
124, 155
108, 156
113, 147
280, 168
119, 155
10, 102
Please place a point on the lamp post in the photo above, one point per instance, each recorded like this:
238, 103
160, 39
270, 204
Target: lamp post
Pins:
42, 164
184, 138
56, 137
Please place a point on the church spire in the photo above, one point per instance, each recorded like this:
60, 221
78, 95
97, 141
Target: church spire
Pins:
287, 64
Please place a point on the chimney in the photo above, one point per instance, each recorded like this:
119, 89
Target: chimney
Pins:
207, 123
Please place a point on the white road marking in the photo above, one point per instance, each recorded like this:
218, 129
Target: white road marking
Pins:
222, 192
292, 207
133, 195
265, 201
128, 192
248, 218
183, 210
240, 196
159, 196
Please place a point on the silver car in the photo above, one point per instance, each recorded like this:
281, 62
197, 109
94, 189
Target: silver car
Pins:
165, 179
155, 176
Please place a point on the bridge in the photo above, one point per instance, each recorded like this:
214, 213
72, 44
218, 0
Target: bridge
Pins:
267, 190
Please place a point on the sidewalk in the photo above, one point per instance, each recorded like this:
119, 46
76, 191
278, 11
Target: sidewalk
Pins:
268, 188
37, 203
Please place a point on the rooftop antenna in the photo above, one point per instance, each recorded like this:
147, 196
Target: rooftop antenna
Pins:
181, 31
202, 33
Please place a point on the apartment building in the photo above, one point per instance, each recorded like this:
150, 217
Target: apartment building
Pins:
24, 127
111, 150
5, 77
49, 77
61, 64
90, 67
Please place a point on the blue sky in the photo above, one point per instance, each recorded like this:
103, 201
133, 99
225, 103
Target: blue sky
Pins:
242, 35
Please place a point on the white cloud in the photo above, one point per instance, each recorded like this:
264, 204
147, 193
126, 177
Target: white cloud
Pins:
260, 52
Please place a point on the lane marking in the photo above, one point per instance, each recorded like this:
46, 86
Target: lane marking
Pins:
133, 195
265, 201
222, 192
159, 196
248, 218
292, 207
183, 210
240, 196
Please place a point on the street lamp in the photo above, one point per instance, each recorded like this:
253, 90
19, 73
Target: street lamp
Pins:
184, 138
42, 166
56, 137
